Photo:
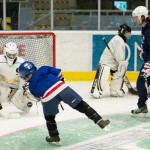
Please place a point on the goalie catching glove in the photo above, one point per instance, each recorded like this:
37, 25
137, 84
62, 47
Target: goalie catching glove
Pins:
145, 72
27, 94
122, 68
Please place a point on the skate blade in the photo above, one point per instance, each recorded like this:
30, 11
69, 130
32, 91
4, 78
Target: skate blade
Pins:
143, 115
56, 143
95, 96
107, 128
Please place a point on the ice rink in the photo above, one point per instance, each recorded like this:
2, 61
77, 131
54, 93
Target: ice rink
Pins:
76, 131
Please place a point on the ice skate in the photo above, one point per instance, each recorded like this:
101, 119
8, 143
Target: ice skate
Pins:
96, 94
54, 140
140, 111
104, 124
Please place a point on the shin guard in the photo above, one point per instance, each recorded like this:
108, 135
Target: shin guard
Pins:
83, 107
51, 126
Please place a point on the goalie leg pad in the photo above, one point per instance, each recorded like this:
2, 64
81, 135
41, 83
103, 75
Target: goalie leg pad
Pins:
9, 115
103, 77
51, 126
116, 86
101, 80
4, 93
21, 101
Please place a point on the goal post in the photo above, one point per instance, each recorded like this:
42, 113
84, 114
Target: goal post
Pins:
34, 46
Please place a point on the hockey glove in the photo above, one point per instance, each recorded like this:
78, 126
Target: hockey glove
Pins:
61, 77
141, 54
145, 72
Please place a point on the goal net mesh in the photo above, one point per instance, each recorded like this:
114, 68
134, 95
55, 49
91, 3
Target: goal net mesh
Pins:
36, 47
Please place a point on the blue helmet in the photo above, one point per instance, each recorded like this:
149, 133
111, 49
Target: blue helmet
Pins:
26, 69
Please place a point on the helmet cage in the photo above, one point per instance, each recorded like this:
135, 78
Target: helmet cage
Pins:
11, 56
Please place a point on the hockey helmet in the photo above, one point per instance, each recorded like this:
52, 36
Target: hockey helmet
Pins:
124, 28
10, 52
26, 69
140, 11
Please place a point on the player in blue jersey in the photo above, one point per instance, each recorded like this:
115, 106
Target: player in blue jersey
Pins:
47, 85
140, 17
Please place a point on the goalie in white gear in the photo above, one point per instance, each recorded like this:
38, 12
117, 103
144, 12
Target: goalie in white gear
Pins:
10, 91
115, 64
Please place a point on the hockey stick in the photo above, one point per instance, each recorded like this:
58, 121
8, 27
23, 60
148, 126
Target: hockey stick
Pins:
126, 80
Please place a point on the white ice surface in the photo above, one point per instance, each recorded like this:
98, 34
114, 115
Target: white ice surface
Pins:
104, 106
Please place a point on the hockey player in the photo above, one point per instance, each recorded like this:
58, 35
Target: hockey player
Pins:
113, 63
47, 85
140, 17
9, 82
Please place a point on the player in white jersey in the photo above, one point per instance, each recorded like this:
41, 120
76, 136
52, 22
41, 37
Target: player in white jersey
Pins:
10, 83
113, 63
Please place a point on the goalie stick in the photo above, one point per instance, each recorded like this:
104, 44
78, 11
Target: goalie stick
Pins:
126, 80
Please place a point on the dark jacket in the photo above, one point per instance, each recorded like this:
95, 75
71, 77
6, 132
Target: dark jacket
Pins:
146, 42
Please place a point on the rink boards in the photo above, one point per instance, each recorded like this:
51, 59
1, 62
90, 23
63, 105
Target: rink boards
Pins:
89, 76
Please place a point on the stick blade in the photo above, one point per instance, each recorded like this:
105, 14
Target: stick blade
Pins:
132, 91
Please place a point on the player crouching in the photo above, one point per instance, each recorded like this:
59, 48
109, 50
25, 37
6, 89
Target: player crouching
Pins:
10, 85
112, 62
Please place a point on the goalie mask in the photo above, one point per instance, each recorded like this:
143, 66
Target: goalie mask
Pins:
26, 70
125, 30
10, 52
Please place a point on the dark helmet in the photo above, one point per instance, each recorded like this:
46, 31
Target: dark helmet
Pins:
124, 28
26, 69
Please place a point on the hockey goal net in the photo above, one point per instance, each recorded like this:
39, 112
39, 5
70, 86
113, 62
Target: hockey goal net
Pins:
37, 47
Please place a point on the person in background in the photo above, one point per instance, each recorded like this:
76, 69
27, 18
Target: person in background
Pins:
113, 63
140, 17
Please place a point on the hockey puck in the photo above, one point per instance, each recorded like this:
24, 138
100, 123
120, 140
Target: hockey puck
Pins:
29, 104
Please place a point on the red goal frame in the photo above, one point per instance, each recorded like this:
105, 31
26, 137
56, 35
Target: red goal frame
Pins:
13, 33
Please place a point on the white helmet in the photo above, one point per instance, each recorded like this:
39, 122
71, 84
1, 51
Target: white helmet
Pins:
10, 49
140, 11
